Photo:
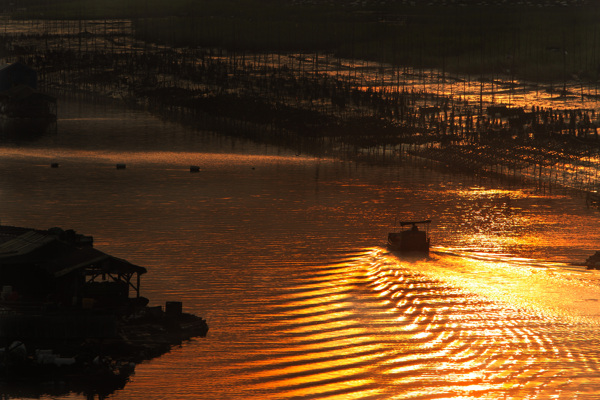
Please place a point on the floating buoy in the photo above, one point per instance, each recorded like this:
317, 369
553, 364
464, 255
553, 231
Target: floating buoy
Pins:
121, 166
54, 165
194, 168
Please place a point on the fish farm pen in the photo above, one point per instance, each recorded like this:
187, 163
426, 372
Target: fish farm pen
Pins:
322, 103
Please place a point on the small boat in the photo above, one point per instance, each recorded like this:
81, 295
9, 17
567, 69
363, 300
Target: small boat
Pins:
412, 239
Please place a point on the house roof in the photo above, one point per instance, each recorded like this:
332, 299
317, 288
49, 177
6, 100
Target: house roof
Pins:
74, 260
90, 257
22, 246
10, 232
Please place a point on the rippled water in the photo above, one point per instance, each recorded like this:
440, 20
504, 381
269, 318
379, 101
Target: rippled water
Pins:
283, 254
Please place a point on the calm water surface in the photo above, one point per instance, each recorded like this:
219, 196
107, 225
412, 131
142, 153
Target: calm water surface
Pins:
283, 255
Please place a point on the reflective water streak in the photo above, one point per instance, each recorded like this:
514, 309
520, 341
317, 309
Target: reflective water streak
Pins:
380, 327
281, 254
376, 326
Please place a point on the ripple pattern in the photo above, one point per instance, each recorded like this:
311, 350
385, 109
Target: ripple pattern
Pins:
375, 327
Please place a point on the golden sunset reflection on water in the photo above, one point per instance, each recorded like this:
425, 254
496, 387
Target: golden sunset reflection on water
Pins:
284, 256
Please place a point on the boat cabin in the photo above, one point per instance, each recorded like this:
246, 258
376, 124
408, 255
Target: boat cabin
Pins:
412, 239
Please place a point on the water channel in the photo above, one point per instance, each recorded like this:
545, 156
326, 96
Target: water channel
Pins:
284, 255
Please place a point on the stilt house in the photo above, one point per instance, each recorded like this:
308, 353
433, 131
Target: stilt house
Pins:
62, 269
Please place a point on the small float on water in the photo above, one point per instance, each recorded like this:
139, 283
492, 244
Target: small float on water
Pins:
412, 239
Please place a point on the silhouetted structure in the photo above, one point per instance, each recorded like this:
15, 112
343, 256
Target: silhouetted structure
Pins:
62, 269
17, 74
22, 108
410, 240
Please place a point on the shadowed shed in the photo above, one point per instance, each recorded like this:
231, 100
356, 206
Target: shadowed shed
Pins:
62, 267
17, 74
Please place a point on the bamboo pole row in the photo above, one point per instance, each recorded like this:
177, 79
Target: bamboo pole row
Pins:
314, 101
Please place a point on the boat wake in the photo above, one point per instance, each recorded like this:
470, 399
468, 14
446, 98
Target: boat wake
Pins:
375, 326
553, 288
